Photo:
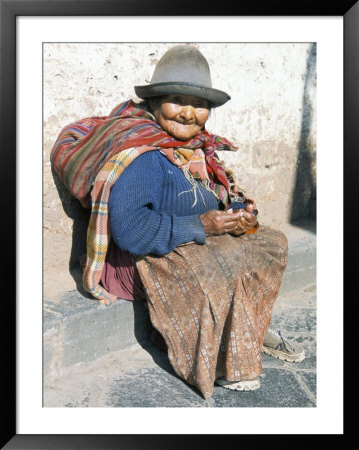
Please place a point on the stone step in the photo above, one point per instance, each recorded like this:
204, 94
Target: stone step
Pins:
78, 329
141, 375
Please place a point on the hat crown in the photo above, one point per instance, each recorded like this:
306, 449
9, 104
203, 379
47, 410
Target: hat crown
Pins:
183, 63
183, 70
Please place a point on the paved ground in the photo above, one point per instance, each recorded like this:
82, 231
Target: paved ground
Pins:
141, 375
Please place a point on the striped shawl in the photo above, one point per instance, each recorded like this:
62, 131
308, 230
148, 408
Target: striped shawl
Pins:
90, 155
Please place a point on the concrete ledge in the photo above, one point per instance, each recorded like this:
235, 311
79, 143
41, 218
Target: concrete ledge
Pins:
78, 329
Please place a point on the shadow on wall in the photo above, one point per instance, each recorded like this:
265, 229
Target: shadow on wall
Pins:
304, 193
80, 217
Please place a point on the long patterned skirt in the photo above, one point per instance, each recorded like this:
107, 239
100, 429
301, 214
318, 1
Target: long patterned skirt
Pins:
212, 303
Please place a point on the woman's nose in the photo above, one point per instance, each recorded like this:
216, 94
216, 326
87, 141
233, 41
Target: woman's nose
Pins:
187, 112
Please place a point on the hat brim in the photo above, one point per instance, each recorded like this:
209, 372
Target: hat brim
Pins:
214, 96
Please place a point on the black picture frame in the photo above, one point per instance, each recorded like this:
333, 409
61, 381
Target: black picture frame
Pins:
9, 10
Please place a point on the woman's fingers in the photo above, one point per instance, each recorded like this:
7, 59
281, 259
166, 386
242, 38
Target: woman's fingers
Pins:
227, 222
219, 222
230, 226
248, 217
247, 224
238, 222
251, 203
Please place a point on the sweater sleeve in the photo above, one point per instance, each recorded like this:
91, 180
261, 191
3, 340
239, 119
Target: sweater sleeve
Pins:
135, 225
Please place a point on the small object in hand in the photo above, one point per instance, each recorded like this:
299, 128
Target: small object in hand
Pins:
241, 205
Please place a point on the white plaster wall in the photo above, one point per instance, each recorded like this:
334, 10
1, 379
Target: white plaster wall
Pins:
271, 116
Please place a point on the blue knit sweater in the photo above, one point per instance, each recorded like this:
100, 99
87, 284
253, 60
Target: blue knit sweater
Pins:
151, 207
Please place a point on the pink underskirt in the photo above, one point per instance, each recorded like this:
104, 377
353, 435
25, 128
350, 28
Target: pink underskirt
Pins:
120, 276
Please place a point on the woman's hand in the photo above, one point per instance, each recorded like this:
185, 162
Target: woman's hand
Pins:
246, 222
219, 222
251, 204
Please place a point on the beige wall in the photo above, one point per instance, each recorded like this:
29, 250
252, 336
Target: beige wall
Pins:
271, 116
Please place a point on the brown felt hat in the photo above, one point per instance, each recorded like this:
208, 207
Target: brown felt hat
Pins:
183, 70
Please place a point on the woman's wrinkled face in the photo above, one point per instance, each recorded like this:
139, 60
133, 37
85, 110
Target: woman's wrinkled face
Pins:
181, 116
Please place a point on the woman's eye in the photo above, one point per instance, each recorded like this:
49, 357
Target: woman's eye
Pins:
177, 100
201, 104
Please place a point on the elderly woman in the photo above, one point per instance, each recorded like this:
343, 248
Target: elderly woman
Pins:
169, 225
